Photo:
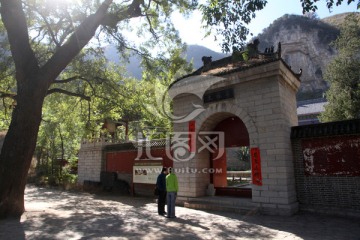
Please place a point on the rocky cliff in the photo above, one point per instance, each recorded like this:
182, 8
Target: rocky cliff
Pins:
306, 45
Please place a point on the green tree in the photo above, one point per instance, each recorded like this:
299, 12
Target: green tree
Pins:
157, 76
343, 74
66, 27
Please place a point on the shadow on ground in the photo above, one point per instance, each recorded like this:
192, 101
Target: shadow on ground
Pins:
54, 214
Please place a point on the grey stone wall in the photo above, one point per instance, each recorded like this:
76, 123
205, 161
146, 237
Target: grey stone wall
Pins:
339, 194
91, 160
331, 192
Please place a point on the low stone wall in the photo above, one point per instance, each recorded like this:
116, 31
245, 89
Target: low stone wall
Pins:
91, 160
100, 155
327, 166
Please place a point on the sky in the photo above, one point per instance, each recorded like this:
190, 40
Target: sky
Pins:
191, 32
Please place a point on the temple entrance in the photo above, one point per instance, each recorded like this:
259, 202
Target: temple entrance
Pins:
226, 95
232, 170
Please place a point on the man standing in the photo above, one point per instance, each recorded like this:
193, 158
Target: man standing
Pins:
172, 189
161, 186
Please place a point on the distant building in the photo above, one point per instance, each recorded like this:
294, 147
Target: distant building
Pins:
308, 111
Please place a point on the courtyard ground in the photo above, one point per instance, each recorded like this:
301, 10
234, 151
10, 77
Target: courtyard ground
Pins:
54, 214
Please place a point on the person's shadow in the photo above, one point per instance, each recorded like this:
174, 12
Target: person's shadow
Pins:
188, 222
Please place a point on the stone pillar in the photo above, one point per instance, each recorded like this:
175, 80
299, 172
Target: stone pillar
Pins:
275, 113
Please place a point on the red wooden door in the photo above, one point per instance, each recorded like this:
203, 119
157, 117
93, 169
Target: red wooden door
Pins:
219, 167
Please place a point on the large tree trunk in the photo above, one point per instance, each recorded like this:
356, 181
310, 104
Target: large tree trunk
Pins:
33, 82
18, 149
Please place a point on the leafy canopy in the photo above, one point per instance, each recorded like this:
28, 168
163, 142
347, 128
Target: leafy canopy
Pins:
343, 74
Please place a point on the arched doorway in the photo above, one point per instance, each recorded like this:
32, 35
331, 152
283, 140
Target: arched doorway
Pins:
232, 168
263, 95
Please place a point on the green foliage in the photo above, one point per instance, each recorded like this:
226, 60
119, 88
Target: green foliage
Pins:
157, 76
95, 91
243, 154
229, 18
309, 5
68, 177
245, 55
343, 74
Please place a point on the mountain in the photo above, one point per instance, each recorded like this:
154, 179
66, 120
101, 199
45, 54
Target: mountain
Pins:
337, 19
193, 53
305, 44
132, 66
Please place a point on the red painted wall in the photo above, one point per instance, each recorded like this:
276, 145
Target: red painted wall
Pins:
236, 134
332, 156
123, 161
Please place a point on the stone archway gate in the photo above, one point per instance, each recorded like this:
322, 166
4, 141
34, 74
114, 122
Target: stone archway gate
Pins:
262, 93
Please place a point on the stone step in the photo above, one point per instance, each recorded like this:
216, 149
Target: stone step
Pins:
228, 204
233, 201
245, 210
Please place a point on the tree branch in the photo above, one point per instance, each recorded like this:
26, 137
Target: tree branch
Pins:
138, 52
59, 90
66, 33
82, 36
57, 81
151, 29
7, 95
60, 81
104, 80
14, 20
52, 34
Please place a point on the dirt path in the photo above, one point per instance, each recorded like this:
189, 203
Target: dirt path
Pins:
54, 214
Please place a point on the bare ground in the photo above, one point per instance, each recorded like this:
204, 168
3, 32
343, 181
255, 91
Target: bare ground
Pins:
54, 214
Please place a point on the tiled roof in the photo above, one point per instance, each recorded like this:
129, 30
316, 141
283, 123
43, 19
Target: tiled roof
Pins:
311, 106
227, 65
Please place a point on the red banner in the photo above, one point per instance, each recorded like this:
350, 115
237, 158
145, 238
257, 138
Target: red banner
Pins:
192, 140
256, 166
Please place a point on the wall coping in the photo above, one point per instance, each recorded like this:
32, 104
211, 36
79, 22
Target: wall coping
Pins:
156, 143
346, 127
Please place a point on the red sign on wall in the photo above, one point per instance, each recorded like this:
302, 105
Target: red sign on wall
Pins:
256, 166
192, 140
332, 156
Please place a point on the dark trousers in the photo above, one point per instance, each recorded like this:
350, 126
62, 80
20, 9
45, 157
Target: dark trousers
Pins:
161, 202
